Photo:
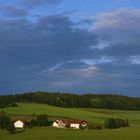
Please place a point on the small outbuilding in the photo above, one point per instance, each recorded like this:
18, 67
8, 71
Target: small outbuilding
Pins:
19, 124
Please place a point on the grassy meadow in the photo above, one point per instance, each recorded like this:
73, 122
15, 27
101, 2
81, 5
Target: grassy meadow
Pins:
27, 110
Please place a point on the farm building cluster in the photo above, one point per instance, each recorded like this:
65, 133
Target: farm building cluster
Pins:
76, 124
70, 123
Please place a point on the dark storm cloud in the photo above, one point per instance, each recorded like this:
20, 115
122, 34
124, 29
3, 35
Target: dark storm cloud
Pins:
51, 40
13, 11
50, 34
54, 54
37, 3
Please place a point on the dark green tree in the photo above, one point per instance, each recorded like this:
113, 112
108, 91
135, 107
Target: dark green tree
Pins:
113, 123
42, 120
33, 123
11, 128
5, 120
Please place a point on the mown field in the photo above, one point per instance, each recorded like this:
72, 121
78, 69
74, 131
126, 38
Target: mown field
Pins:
61, 134
92, 115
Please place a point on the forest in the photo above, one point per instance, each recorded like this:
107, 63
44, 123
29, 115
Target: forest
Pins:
107, 101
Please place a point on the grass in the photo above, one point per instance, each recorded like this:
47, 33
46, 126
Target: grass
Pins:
92, 115
62, 134
32, 108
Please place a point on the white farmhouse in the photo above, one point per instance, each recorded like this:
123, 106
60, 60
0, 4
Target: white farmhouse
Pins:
75, 125
19, 124
71, 123
59, 124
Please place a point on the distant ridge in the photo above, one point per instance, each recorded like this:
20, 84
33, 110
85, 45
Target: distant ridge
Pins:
108, 101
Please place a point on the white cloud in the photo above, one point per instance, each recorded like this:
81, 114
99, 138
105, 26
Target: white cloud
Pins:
118, 19
55, 67
135, 59
102, 60
101, 45
117, 25
85, 72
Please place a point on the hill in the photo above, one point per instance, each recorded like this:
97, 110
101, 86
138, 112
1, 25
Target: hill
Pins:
91, 115
107, 101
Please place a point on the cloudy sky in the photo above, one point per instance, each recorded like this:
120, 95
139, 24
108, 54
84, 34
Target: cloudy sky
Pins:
78, 46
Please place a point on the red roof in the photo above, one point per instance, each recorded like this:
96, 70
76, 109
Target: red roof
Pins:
74, 121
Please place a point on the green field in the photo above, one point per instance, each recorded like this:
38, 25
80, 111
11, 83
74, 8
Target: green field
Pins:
91, 115
61, 134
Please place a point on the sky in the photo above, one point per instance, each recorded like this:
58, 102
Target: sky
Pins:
76, 46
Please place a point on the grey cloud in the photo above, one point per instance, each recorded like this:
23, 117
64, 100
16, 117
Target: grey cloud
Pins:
12, 11
120, 29
47, 55
37, 3
135, 59
124, 20
102, 60
50, 41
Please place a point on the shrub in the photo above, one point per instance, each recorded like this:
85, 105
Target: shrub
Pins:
122, 123
89, 126
11, 128
99, 127
113, 123
4, 120
42, 120
67, 125
33, 123
6, 123
82, 127
49, 123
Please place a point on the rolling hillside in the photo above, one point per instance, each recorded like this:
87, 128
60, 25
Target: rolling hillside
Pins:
91, 115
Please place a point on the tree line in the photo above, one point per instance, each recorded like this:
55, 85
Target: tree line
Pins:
108, 101
6, 101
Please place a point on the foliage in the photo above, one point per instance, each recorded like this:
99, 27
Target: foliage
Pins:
7, 101
11, 128
99, 127
33, 123
6, 123
4, 120
42, 120
109, 101
122, 123
49, 123
113, 123
91, 126
67, 125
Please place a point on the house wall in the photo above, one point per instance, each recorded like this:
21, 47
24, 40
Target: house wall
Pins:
61, 124
84, 125
19, 124
77, 126
55, 124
